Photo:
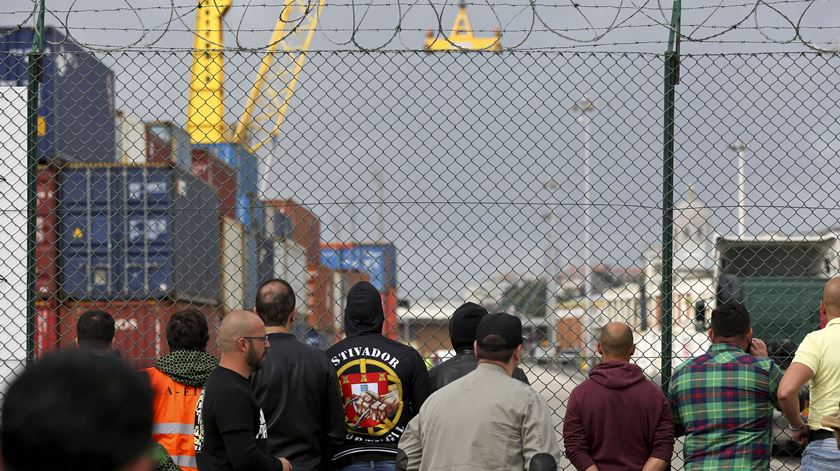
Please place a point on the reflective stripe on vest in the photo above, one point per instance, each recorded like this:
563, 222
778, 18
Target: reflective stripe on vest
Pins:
174, 417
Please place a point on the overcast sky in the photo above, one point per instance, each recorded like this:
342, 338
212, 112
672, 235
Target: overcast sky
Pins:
466, 143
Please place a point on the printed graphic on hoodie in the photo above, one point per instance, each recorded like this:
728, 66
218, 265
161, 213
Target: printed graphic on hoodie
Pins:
373, 397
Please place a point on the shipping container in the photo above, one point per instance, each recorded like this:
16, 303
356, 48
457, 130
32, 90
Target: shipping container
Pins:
76, 116
46, 326
342, 282
140, 334
233, 264
276, 223
265, 263
220, 176
46, 234
320, 299
391, 329
138, 232
167, 143
290, 265
377, 260
131, 139
306, 227
246, 167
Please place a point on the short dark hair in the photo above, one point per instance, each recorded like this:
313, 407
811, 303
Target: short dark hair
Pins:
88, 411
274, 304
187, 330
95, 329
489, 352
730, 320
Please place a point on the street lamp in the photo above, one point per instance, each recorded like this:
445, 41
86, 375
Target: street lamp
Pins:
583, 108
739, 148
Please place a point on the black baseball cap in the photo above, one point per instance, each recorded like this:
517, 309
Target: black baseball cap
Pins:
505, 329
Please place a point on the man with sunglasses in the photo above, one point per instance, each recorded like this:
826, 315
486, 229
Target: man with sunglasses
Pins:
230, 428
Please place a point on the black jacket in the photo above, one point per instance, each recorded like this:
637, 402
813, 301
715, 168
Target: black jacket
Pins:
383, 382
298, 391
462, 363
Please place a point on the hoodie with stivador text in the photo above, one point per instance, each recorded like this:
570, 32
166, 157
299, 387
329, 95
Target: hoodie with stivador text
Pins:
383, 382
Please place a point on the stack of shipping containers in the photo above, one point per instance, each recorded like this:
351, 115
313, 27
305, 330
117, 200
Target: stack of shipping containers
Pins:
377, 261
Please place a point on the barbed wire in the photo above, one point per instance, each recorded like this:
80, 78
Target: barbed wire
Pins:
521, 24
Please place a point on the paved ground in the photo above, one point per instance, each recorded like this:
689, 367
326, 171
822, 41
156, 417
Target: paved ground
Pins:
556, 383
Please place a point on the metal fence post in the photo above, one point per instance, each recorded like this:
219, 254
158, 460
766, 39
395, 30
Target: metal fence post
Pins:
671, 79
34, 78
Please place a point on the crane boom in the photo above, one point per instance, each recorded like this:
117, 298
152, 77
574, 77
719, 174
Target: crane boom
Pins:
278, 75
462, 37
206, 101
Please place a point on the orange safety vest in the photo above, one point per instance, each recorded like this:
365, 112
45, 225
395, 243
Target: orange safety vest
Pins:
174, 417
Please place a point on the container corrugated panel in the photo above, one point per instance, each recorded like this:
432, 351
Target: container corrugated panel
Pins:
233, 264
319, 299
46, 235
306, 227
138, 233
252, 269
277, 224
220, 176
46, 326
245, 163
297, 275
140, 334
168, 144
131, 139
378, 261
76, 98
265, 265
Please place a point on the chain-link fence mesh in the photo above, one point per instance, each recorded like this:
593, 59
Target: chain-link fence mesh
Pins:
529, 182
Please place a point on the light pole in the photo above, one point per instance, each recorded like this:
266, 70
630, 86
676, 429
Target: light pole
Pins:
739, 147
583, 108
552, 253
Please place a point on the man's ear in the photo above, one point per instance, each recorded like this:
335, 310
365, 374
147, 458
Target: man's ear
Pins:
632, 350
598, 349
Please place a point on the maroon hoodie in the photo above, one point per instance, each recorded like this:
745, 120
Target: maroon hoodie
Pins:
617, 419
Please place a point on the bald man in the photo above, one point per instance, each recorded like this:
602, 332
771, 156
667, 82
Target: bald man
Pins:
817, 360
618, 419
230, 429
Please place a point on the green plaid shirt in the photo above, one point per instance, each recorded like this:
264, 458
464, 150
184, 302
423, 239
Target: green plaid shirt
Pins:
723, 403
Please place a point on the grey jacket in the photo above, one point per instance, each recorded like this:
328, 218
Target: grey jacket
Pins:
483, 421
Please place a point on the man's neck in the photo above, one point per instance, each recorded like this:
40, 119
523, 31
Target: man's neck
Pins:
607, 358
832, 316
237, 365
508, 367
279, 329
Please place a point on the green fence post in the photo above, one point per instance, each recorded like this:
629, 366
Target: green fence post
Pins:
34, 69
672, 60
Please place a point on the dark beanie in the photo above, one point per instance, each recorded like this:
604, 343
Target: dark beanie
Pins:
464, 324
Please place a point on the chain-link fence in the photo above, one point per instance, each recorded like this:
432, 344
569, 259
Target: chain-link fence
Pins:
529, 182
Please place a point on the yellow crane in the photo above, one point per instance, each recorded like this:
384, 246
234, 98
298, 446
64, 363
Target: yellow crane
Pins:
274, 85
462, 37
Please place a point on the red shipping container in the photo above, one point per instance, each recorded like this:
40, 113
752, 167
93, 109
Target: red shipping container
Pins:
46, 235
140, 335
320, 298
306, 228
220, 176
391, 328
46, 326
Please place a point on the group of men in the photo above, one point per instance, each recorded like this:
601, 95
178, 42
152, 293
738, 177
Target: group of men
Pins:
368, 403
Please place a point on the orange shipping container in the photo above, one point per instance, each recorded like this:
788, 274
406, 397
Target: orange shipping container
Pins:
569, 333
140, 335
320, 298
306, 228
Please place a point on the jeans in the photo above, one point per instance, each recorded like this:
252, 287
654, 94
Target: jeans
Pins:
371, 466
821, 455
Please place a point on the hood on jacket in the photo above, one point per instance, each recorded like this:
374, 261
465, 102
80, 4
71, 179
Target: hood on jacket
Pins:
190, 367
363, 313
616, 374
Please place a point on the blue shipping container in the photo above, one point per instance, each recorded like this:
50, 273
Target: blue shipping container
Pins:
246, 166
138, 233
76, 115
378, 261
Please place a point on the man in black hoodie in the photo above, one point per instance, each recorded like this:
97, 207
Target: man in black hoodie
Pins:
618, 419
383, 384
462, 328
